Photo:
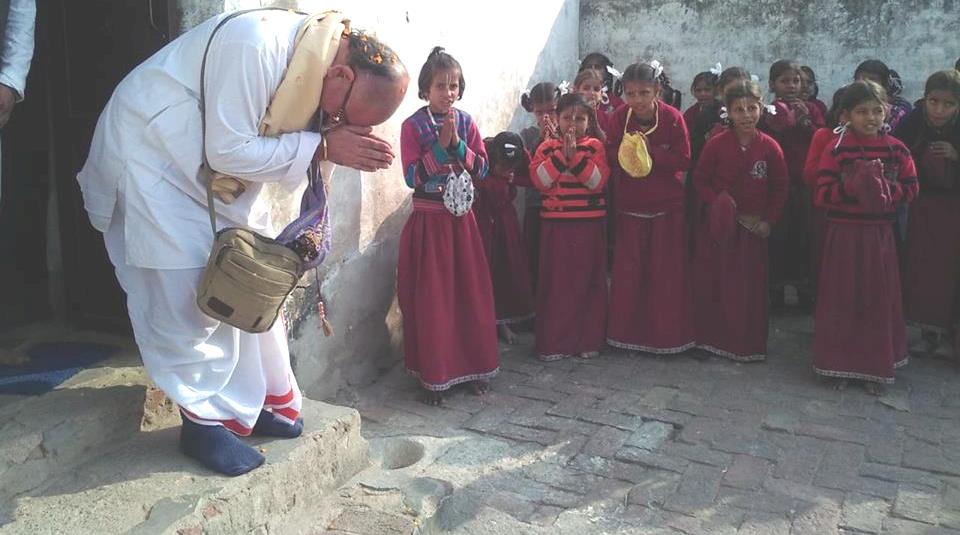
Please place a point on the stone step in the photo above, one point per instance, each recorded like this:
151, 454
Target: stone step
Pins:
126, 480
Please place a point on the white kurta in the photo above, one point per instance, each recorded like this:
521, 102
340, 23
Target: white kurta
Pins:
141, 188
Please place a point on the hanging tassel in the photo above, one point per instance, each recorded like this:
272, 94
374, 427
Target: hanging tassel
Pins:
322, 308
324, 322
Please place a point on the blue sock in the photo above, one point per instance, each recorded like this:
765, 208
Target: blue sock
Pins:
270, 425
218, 449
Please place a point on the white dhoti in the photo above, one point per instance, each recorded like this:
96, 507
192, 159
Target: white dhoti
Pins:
216, 373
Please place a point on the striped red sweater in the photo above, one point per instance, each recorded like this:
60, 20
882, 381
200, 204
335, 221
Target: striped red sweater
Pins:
572, 189
837, 165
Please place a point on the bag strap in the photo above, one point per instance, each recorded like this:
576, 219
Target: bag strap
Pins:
203, 107
656, 120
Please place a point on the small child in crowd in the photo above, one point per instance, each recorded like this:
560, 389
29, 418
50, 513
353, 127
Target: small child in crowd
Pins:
609, 101
572, 288
541, 101
860, 329
792, 124
743, 178
443, 283
932, 133
500, 231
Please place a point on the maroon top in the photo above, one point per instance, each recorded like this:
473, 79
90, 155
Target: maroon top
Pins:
669, 147
755, 175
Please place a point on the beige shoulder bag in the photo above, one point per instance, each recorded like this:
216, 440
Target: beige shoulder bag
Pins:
248, 276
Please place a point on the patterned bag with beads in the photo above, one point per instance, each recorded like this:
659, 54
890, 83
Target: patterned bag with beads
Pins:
458, 193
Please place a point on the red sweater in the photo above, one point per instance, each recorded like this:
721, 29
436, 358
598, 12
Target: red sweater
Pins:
756, 178
836, 164
572, 188
821, 138
793, 134
669, 146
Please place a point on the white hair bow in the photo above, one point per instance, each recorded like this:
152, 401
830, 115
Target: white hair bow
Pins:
754, 78
716, 69
771, 109
657, 68
564, 87
614, 72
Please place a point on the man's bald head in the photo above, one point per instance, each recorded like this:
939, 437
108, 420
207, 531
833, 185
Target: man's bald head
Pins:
366, 83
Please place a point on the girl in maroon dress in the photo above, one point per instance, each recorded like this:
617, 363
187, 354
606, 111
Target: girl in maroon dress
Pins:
500, 230
792, 124
572, 290
541, 101
931, 290
860, 328
609, 101
443, 282
651, 302
730, 271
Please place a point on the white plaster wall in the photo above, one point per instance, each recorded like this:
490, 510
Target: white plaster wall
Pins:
689, 36
504, 47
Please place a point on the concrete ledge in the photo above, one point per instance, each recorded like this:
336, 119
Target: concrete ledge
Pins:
146, 486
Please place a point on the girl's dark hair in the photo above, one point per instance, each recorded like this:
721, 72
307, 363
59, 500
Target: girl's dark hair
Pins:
812, 78
876, 68
956, 66
438, 61
572, 100
895, 85
705, 77
860, 92
644, 72
730, 74
782, 66
506, 148
743, 89
540, 93
833, 114
948, 80
594, 58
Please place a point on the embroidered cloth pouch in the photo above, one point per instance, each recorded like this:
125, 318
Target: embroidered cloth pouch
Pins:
458, 193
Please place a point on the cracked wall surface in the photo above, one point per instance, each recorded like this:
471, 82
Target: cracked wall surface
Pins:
689, 36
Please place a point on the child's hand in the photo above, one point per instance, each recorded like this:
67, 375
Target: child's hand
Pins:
448, 131
551, 130
944, 149
454, 136
569, 144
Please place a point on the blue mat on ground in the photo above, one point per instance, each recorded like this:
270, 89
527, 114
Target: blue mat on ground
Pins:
49, 364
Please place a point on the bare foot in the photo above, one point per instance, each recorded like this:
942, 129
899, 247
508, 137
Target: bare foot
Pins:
507, 334
840, 384
874, 389
434, 399
589, 355
480, 387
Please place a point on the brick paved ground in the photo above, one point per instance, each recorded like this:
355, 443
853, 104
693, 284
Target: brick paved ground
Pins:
687, 444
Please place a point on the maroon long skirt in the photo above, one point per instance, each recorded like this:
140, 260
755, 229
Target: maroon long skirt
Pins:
509, 266
651, 307
789, 243
730, 292
572, 291
860, 330
818, 232
933, 262
446, 298
531, 236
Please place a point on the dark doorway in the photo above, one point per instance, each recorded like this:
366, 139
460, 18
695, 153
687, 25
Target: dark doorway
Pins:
83, 49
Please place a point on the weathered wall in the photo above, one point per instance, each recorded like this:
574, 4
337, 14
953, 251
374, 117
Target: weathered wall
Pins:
369, 209
914, 37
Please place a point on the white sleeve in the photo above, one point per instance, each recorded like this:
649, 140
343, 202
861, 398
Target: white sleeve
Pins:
16, 50
240, 80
